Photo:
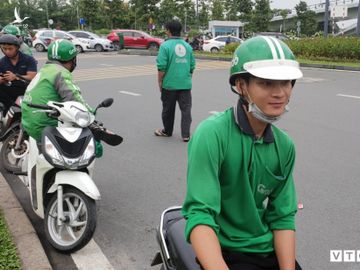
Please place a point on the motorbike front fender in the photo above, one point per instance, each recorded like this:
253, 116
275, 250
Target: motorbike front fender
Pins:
80, 180
13, 128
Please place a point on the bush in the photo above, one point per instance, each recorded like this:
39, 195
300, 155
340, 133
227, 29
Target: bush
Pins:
230, 48
333, 48
102, 32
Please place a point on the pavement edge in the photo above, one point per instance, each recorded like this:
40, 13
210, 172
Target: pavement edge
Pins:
30, 250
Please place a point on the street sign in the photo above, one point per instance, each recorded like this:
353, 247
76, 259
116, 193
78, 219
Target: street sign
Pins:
50, 21
81, 21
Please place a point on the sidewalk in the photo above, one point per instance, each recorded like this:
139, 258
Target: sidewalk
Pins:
30, 250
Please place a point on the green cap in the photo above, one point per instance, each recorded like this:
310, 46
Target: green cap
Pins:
61, 50
11, 30
264, 57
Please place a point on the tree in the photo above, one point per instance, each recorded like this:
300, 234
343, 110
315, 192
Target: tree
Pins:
204, 15
261, 16
307, 18
217, 10
283, 14
89, 10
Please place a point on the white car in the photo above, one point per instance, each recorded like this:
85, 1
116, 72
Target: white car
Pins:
97, 43
215, 44
43, 38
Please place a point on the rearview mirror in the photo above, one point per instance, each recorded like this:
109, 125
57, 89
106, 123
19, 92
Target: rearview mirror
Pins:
106, 103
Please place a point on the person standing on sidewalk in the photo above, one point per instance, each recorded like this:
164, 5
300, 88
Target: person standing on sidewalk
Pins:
175, 63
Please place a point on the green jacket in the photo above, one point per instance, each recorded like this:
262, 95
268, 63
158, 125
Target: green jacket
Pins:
240, 186
176, 59
52, 83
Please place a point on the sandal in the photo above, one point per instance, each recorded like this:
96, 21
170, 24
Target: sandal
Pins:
160, 132
186, 139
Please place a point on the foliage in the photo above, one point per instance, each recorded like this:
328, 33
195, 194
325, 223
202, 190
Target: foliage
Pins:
9, 259
230, 48
217, 10
261, 16
307, 18
335, 48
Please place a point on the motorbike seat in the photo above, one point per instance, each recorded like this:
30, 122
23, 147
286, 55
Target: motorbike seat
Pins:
180, 251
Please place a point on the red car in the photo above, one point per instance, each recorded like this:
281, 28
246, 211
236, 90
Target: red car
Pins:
135, 39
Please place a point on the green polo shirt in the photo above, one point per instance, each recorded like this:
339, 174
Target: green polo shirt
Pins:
176, 59
240, 186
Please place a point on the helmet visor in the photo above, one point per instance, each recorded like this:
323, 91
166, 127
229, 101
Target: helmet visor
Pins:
274, 69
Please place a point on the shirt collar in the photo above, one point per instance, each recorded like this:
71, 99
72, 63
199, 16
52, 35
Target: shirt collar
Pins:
243, 123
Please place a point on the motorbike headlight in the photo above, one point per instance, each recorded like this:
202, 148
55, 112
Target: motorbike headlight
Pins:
83, 119
88, 154
53, 153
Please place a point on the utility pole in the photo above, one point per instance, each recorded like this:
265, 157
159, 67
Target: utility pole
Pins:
358, 21
326, 18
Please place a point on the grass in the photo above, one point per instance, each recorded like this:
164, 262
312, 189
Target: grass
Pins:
9, 259
328, 62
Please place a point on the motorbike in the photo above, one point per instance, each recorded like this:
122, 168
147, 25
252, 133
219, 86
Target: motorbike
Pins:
59, 173
175, 252
15, 143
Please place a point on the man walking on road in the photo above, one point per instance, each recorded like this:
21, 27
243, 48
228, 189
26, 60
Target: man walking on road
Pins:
175, 63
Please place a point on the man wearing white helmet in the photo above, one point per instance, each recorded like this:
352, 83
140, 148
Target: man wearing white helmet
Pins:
241, 201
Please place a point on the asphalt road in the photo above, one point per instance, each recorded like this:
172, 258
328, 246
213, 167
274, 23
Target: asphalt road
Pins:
147, 174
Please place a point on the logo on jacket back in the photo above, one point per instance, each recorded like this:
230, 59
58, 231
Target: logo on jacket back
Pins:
180, 50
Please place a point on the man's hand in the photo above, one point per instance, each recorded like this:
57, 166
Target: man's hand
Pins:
161, 75
9, 76
2, 80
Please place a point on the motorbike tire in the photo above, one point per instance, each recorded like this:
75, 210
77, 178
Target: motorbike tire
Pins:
14, 165
78, 209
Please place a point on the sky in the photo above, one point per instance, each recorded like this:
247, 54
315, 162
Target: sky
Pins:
282, 4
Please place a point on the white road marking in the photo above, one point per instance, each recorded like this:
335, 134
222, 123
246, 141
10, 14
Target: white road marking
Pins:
106, 65
91, 257
348, 96
213, 112
130, 93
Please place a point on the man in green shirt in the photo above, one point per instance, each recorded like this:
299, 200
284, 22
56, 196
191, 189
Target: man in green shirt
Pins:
53, 83
175, 63
241, 202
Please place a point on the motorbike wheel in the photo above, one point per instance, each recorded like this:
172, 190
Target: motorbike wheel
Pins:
9, 161
79, 226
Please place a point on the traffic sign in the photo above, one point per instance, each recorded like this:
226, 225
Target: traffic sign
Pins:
82, 21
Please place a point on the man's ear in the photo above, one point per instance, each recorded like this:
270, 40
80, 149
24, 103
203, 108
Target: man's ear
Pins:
241, 86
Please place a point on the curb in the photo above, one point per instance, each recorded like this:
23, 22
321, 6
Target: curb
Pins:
30, 250
203, 57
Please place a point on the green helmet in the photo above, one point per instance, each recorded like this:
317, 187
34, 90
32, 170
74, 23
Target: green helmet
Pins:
61, 50
264, 57
11, 30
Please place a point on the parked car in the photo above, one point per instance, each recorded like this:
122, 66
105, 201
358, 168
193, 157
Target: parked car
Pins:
277, 35
44, 37
97, 43
215, 44
135, 39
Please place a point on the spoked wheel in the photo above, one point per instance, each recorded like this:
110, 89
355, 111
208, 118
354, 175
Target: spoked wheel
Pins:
12, 157
80, 221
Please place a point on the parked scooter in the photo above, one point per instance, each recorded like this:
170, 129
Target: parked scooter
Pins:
15, 143
60, 171
175, 252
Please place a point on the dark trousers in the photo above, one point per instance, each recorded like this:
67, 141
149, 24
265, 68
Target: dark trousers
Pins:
8, 94
169, 99
252, 261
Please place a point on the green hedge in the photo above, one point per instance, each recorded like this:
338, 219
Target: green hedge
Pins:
319, 48
333, 48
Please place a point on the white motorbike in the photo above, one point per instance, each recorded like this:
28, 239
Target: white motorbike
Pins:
60, 173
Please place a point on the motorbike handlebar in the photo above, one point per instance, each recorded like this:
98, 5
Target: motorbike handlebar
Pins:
21, 78
39, 106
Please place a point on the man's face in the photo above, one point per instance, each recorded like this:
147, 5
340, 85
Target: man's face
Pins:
9, 50
271, 96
